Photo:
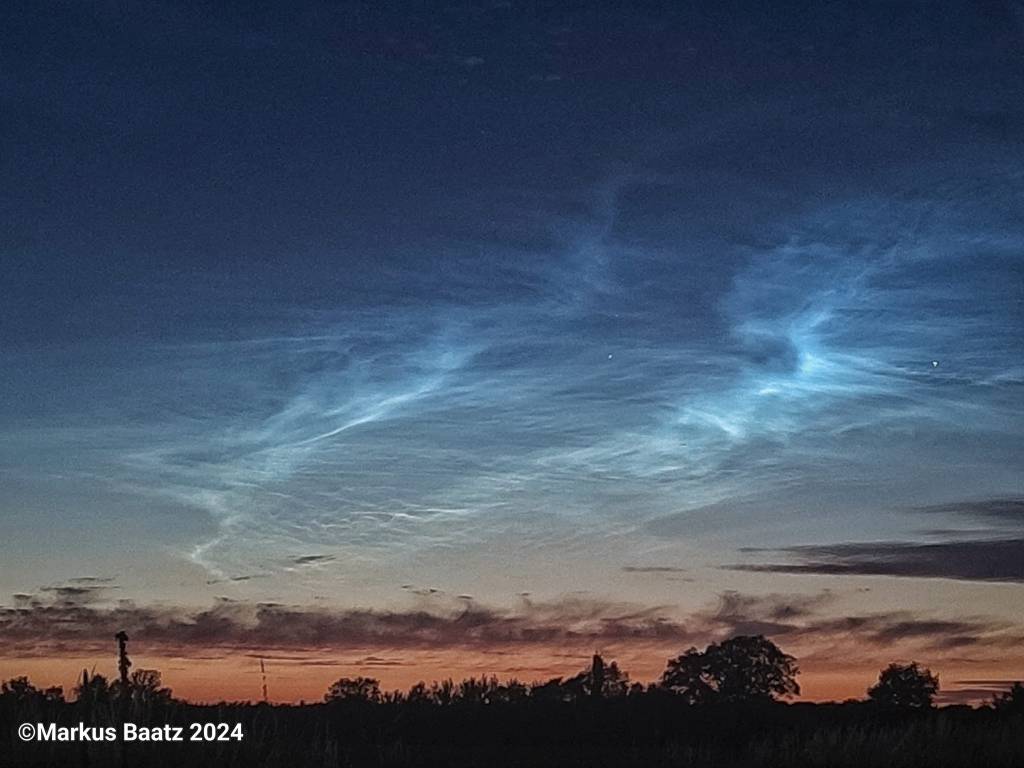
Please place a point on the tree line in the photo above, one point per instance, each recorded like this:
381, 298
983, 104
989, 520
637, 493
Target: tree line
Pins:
746, 669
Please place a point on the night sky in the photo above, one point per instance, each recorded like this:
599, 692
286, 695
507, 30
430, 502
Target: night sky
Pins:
416, 339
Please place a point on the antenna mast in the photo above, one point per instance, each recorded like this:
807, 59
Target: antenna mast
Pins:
123, 662
263, 673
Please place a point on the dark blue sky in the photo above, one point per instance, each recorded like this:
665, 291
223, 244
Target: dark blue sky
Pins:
498, 298
289, 153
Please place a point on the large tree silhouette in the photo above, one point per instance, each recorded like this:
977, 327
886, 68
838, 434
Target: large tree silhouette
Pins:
744, 668
904, 686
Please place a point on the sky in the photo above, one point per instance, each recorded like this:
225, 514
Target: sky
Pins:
426, 339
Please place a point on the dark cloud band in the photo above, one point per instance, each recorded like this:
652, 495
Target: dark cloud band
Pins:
49, 625
1000, 560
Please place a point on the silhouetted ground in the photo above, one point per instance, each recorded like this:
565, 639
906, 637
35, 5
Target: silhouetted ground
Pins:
642, 730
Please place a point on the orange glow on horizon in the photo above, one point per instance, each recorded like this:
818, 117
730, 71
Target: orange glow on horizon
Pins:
291, 678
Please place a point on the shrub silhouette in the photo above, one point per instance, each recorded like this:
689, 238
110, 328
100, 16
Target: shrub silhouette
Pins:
747, 668
904, 686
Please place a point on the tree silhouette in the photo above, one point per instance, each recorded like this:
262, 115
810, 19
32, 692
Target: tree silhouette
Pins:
551, 690
1011, 700
744, 668
688, 676
146, 685
489, 690
361, 689
443, 693
93, 689
419, 694
598, 681
512, 692
904, 686
484, 721
21, 692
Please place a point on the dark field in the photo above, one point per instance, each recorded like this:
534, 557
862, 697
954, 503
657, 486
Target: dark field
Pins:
647, 729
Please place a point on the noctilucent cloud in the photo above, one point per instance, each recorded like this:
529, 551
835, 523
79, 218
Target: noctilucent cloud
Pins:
355, 303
